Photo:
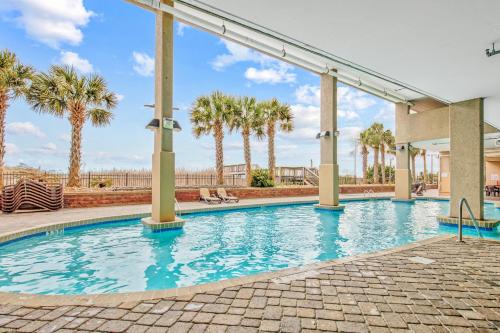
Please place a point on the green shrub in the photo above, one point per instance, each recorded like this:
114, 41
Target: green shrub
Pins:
389, 174
261, 178
101, 182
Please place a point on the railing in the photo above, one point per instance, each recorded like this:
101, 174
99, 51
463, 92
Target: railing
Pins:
463, 202
311, 176
125, 179
289, 176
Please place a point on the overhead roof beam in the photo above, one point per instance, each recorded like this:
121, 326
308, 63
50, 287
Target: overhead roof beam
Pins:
269, 42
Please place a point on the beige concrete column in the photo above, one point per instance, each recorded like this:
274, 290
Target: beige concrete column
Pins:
403, 176
444, 173
329, 169
467, 156
163, 181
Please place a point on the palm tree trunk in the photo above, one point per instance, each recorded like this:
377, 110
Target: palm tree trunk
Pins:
382, 161
413, 172
77, 120
424, 156
219, 153
375, 165
364, 153
3, 110
270, 149
248, 157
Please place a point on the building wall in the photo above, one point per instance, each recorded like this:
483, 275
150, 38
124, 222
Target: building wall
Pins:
444, 174
492, 171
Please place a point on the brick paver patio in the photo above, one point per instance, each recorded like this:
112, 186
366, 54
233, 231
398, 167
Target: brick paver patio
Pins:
457, 290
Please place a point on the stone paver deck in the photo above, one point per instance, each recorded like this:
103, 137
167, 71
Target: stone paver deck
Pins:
437, 285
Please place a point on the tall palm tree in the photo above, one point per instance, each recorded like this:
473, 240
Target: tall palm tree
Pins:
274, 112
376, 133
387, 142
364, 141
423, 153
247, 117
14, 78
81, 98
413, 154
209, 115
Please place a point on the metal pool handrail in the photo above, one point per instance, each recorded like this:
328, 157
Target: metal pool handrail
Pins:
460, 219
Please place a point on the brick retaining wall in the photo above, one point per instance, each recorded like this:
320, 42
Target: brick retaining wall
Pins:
98, 199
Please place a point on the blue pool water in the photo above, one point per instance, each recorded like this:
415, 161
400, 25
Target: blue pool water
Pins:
124, 256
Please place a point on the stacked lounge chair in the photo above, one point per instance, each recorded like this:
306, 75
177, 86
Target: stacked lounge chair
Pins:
221, 193
30, 194
207, 197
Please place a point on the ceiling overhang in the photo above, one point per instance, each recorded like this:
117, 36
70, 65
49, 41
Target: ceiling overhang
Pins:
288, 49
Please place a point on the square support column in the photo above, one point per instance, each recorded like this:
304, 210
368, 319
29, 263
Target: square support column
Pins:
329, 169
402, 172
467, 156
163, 175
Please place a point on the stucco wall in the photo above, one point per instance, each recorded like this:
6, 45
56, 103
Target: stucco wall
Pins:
444, 174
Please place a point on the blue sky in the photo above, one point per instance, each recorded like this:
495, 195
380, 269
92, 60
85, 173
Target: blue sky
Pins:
116, 40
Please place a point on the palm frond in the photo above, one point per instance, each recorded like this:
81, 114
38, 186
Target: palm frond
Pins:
99, 117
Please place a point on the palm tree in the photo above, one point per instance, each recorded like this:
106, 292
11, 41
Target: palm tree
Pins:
209, 115
364, 141
387, 142
274, 112
413, 154
247, 117
423, 152
376, 133
14, 78
64, 93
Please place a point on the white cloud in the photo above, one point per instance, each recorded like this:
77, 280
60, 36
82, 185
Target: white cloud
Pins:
73, 59
308, 94
11, 149
66, 137
349, 133
46, 149
349, 115
143, 64
274, 75
387, 112
120, 97
306, 122
364, 102
103, 157
50, 147
24, 128
270, 71
351, 98
238, 53
180, 28
50, 22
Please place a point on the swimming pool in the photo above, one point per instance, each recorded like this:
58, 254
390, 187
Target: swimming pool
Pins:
124, 256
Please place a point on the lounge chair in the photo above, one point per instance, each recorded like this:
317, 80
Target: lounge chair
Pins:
221, 193
207, 197
419, 188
